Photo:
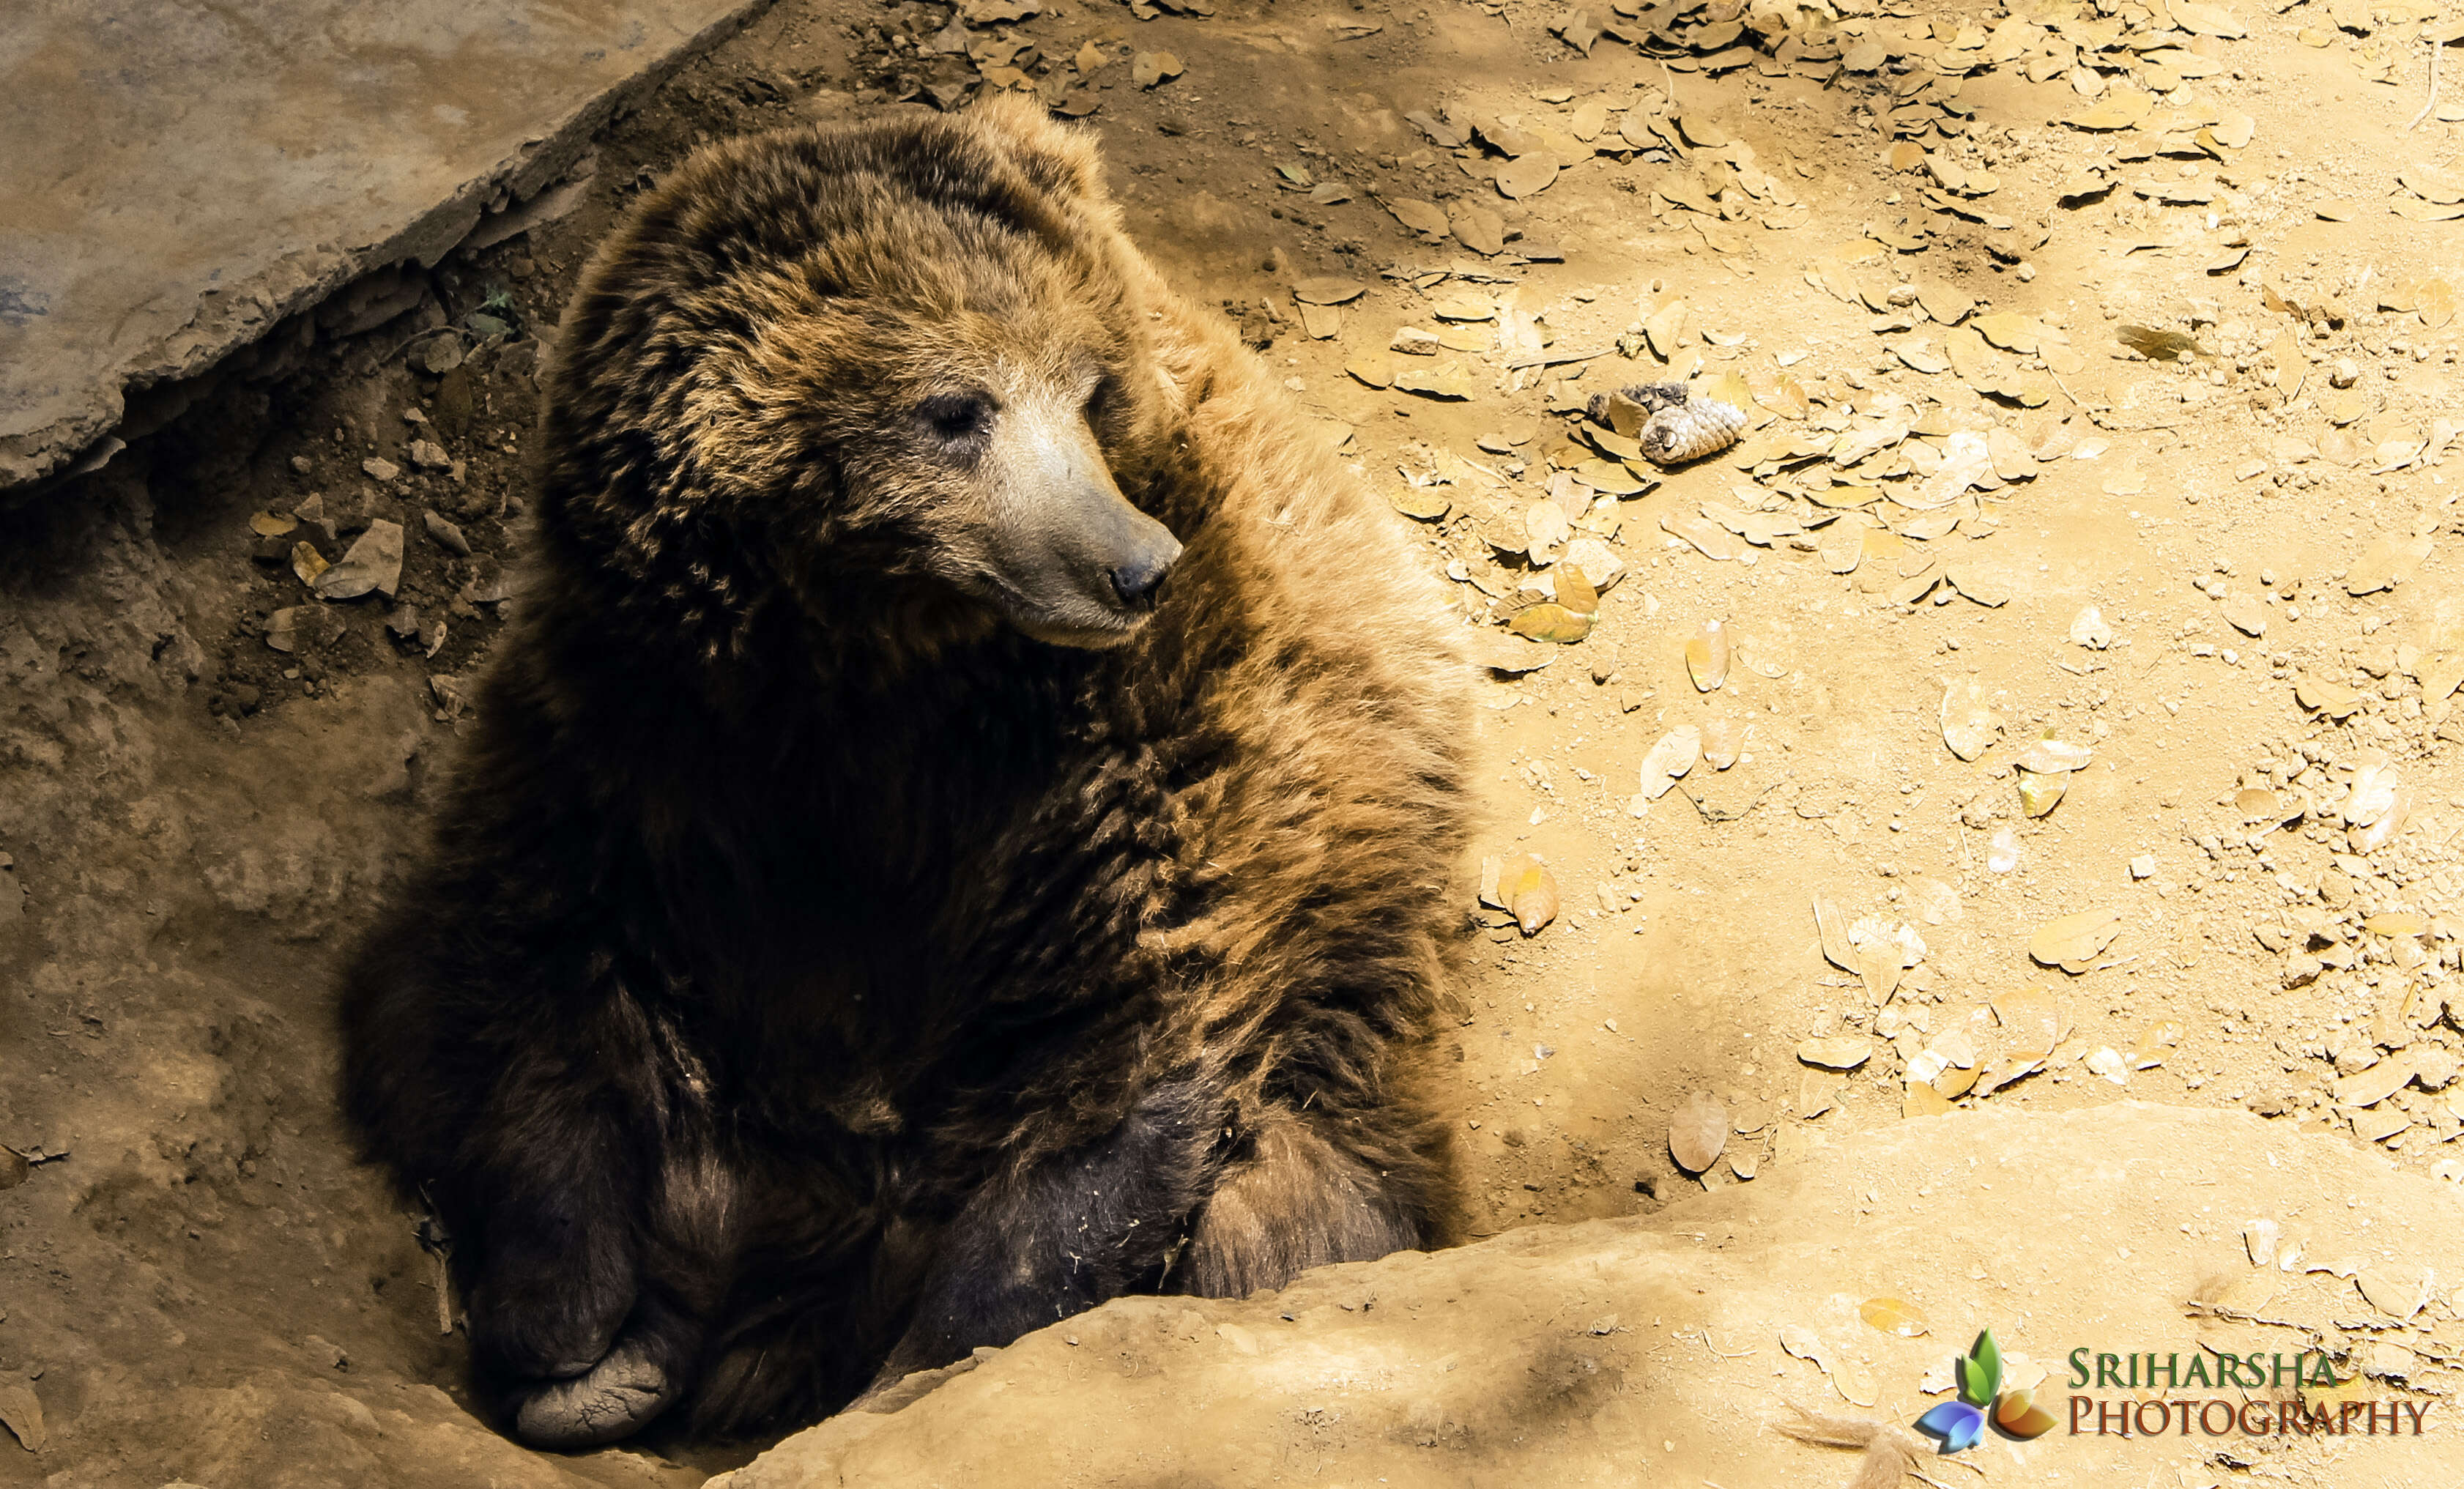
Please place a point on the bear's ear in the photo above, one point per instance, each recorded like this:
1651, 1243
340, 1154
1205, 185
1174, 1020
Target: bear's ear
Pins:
1055, 157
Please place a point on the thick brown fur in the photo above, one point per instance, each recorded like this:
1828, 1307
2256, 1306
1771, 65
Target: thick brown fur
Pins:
813, 977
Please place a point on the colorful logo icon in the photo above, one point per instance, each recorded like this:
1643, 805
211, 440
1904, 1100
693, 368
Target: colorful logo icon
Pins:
1960, 1423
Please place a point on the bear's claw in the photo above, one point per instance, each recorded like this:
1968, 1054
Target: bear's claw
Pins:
615, 1400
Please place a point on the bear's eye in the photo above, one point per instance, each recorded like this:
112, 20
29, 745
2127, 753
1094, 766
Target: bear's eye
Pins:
1105, 400
958, 417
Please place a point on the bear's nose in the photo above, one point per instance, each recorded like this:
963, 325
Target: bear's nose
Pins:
1139, 581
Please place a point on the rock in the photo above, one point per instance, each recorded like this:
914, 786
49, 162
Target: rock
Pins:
487, 585
21, 1412
380, 469
1599, 562
373, 564
450, 700
2089, 629
448, 537
296, 629
2246, 614
1432, 1364
430, 455
2386, 563
1839, 1052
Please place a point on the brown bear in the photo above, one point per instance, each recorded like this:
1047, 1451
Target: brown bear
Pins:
958, 830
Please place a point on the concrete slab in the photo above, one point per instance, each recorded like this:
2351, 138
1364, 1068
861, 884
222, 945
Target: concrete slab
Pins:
180, 175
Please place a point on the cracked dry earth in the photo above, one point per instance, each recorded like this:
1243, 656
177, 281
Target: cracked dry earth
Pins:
2062, 661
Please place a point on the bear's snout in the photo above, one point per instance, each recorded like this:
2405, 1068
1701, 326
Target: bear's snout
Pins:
1075, 562
1138, 578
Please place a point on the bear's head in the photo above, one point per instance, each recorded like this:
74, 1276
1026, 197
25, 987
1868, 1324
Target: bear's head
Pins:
896, 374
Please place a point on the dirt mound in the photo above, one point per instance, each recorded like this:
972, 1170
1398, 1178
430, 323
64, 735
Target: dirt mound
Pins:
1667, 1349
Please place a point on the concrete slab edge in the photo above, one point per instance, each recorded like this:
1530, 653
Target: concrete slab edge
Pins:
250, 311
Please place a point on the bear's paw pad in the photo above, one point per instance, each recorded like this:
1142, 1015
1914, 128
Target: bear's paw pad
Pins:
615, 1400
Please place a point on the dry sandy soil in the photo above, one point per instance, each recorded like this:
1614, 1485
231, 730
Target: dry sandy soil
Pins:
2028, 312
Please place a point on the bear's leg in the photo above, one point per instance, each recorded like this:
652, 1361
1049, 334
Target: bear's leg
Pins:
558, 1263
1293, 1202
589, 1296
642, 1374
1062, 1236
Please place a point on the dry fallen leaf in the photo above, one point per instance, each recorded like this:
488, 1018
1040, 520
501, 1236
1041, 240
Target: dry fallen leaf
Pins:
2048, 757
1854, 1382
1968, 725
1419, 217
1373, 368
1671, 757
2397, 1297
2031, 1025
1707, 655
1722, 740
1709, 538
1527, 176
1553, 622
1528, 892
2437, 303
1477, 228
2291, 366
2148, 1049
1574, 589
307, 562
2074, 942
2386, 563
2375, 1084
1919, 1099
1148, 69
1698, 1132
1894, 1316
1666, 329
1329, 290
2013, 333
1832, 926
1837, 1052
2040, 793
2157, 346
1447, 379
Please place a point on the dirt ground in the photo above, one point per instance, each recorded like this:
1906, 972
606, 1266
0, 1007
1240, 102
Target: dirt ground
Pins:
2030, 313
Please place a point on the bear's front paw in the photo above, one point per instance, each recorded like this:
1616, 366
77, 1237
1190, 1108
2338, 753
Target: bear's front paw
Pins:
540, 1338
548, 1301
614, 1399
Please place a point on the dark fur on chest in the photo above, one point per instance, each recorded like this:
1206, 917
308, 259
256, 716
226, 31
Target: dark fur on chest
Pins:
867, 906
